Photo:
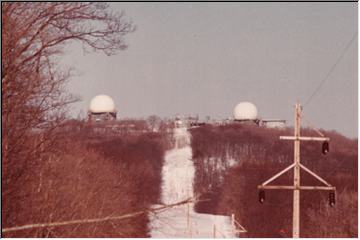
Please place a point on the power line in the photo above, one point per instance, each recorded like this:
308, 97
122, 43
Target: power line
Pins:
312, 126
331, 69
95, 220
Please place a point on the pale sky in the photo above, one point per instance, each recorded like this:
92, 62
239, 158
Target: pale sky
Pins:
204, 58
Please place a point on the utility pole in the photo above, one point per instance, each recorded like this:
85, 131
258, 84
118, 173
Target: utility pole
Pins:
296, 207
297, 166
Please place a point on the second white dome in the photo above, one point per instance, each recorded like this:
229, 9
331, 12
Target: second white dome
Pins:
102, 104
245, 111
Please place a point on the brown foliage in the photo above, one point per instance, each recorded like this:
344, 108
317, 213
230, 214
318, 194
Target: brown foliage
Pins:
84, 181
258, 154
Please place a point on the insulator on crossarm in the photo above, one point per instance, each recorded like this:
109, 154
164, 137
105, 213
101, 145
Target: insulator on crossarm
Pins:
325, 147
261, 196
332, 199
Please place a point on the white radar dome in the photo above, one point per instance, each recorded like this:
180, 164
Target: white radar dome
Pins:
101, 104
245, 111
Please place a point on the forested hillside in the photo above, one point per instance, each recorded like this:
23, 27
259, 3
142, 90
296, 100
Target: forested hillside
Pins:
86, 175
232, 160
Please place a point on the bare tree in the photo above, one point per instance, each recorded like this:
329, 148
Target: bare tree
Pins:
34, 99
154, 122
34, 35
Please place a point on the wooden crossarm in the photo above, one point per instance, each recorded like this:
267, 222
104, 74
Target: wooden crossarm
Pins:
319, 139
315, 175
278, 174
273, 187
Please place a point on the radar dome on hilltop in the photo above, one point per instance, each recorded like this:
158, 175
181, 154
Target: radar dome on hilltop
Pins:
102, 108
245, 111
102, 104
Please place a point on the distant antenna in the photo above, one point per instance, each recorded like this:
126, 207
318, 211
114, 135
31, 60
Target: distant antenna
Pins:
297, 165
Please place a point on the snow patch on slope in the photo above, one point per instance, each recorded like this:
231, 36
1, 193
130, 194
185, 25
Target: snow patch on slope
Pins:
178, 174
182, 221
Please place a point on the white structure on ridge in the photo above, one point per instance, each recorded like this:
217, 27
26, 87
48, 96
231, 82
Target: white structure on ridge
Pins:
102, 108
245, 111
248, 113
